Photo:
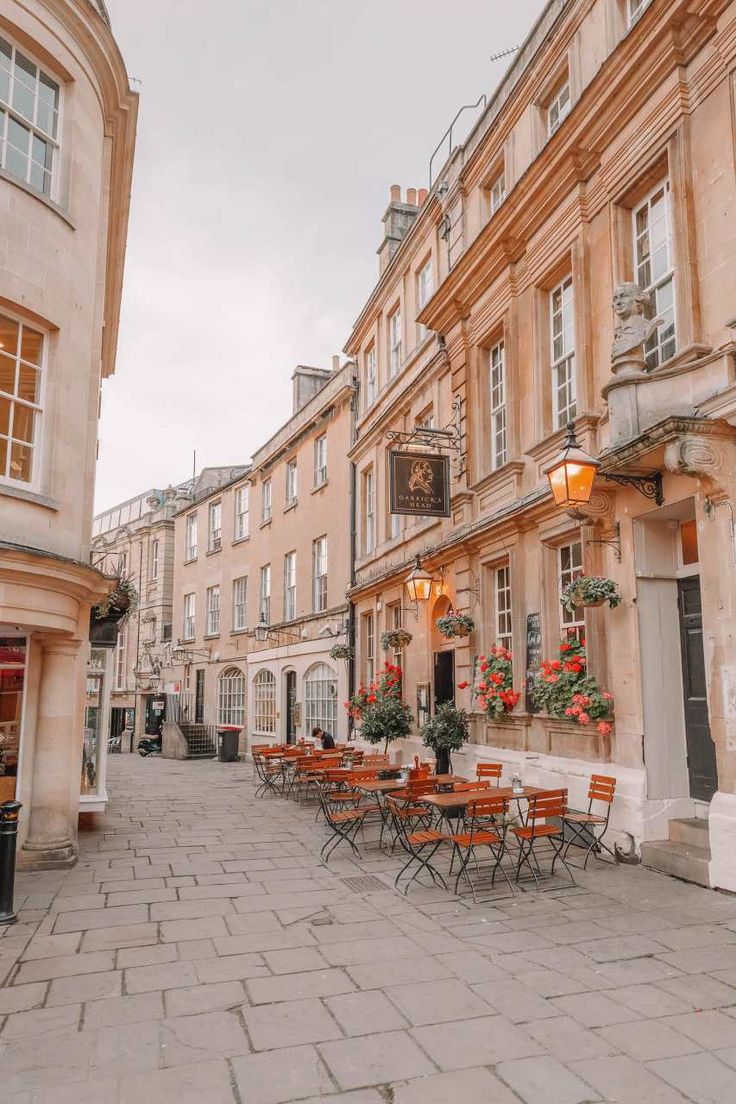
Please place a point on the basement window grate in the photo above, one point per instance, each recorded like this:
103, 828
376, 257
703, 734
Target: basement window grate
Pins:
365, 883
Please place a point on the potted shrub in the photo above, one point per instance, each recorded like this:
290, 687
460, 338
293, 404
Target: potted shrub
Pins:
590, 590
444, 733
387, 719
455, 624
342, 651
395, 639
564, 689
494, 692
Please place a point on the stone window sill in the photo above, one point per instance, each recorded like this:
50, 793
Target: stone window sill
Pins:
29, 496
241, 540
291, 505
38, 196
319, 486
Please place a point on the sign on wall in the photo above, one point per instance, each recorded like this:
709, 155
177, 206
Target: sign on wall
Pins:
419, 484
533, 657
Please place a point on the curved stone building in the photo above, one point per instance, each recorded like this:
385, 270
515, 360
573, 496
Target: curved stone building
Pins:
67, 133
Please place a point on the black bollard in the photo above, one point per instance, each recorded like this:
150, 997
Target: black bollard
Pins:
8, 838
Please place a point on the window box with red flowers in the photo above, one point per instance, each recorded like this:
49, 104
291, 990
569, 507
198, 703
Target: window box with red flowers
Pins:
494, 690
564, 689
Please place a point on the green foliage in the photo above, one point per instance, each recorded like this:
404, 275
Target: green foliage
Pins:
386, 719
447, 730
589, 589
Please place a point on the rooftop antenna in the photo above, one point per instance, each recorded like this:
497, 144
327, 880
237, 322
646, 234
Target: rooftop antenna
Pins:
504, 53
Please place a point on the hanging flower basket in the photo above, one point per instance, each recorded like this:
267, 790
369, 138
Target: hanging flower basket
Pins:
115, 605
342, 651
455, 624
395, 639
590, 590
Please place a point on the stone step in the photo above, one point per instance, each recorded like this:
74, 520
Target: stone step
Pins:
691, 831
681, 860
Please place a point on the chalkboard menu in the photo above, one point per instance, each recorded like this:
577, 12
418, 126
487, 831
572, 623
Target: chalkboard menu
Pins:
533, 657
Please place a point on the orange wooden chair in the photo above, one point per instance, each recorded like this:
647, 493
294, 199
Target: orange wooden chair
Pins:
419, 844
537, 832
344, 825
489, 771
467, 787
589, 828
485, 827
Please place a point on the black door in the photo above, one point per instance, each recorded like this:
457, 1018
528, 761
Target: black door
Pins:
444, 677
199, 696
155, 714
701, 752
290, 703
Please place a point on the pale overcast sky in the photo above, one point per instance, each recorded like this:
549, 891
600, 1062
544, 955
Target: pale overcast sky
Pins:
268, 136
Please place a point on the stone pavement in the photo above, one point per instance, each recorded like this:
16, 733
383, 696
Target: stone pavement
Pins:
199, 953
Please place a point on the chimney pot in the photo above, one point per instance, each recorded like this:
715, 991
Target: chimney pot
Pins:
411, 196
423, 193
396, 193
336, 363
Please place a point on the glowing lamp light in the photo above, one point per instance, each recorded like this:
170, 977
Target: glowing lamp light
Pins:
419, 583
572, 473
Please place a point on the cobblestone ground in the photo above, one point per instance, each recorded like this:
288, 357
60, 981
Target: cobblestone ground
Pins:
199, 953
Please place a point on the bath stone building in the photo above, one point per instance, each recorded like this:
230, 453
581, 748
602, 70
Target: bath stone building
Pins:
67, 122
261, 567
599, 161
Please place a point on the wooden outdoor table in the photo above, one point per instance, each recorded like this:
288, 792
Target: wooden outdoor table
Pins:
466, 797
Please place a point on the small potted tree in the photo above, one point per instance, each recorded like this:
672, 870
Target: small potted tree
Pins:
590, 590
385, 719
455, 624
444, 733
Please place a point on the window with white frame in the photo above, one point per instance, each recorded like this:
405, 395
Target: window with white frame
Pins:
653, 254
371, 386
319, 574
189, 626
395, 344
155, 558
240, 607
241, 527
320, 698
562, 337
214, 529
264, 594
369, 648
190, 552
266, 500
425, 289
231, 697
635, 9
21, 397
291, 484
120, 680
320, 460
498, 405
213, 610
369, 521
558, 107
264, 702
123, 564
29, 120
289, 586
569, 568
497, 192
504, 634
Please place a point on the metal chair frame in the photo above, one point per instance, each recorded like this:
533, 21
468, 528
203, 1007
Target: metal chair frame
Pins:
551, 804
480, 814
602, 789
416, 844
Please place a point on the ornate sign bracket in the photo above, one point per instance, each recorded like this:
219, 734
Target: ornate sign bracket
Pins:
437, 439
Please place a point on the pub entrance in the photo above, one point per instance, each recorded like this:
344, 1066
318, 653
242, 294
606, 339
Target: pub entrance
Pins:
444, 677
290, 690
701, 751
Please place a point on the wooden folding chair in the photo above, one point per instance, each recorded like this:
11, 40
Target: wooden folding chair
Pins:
489, 771
419, 844
589, 828
344, 825
485, 826
537, 831
269, 773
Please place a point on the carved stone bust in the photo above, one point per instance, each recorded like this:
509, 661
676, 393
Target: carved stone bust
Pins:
634, 329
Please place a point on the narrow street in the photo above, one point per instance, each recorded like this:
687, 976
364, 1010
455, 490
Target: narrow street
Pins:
200, 952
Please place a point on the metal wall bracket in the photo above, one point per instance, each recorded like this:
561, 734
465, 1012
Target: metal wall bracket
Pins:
648, 485
613, 542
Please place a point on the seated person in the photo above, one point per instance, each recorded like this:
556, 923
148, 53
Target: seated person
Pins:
326, 739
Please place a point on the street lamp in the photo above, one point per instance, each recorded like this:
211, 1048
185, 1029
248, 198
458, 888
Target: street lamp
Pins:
262, 630
572, 473
419, 583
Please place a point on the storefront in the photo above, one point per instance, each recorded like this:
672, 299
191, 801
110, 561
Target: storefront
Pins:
93, 788
13, 658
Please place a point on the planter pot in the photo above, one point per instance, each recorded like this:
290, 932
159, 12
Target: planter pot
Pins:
591, 605
443, 761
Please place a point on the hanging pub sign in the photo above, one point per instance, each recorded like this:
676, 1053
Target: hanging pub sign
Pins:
419, 484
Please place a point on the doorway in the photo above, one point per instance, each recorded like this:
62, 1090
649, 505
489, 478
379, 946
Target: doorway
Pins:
199, 696
701, 752
290, 678
444, 677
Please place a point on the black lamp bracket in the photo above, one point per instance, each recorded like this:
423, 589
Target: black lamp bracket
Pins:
648, 485
613, 542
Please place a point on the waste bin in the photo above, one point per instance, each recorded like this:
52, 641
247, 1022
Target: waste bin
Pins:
228, 737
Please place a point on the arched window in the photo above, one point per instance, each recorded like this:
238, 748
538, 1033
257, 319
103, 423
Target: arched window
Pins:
231, 697
264, 702
320, 698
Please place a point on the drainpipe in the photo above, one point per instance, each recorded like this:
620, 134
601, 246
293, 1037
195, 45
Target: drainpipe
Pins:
353, 541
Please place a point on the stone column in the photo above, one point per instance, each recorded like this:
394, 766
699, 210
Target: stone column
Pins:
51, 840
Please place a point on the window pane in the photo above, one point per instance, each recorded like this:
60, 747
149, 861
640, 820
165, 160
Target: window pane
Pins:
8, 336
24, 86
23, 423
21, 462
7, 375
3, 456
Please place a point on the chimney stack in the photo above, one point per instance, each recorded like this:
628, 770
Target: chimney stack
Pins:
423, 193
306, 382
336, 363
397, 220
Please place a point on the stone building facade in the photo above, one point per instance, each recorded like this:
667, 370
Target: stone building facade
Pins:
67, 122
603, 157
270, 547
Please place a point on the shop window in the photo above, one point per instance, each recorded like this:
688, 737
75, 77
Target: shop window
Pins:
320, 698
231, 697
13, 659
689, 543
264, 702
